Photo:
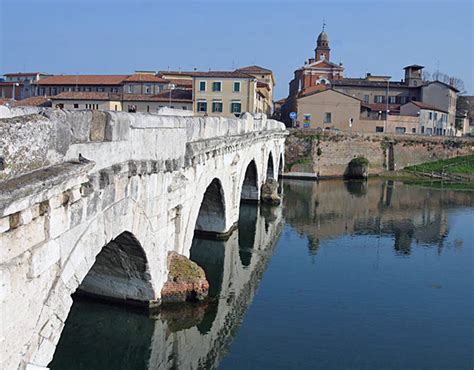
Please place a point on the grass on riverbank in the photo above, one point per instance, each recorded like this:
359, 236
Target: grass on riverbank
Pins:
458, 165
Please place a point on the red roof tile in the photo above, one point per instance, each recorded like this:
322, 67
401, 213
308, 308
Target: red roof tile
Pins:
83, 80
145, 77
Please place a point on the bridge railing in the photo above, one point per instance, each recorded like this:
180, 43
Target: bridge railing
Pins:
54, 136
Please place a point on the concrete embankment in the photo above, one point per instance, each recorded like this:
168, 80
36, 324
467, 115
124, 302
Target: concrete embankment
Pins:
311, 154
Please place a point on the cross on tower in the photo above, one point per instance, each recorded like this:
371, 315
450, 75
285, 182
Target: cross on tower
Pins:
324, 24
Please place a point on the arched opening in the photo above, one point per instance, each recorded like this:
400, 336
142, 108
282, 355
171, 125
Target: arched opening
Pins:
211, 217
250, 185
120, 272
270, 167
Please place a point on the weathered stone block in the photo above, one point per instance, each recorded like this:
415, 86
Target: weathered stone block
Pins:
4, 224
26, 216
58, 221
98, 123
43, 257
17, 241
74, 195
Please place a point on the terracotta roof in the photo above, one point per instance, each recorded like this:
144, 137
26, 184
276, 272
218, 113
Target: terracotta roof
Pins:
219, 74
180, 82
83, 80
322, 88
422, 105
34, 101
365, 82
145, 77
185, 96
77, 95
254, 69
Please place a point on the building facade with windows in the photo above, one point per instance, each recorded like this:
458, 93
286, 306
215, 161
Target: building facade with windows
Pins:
20, 85
224, 93
432, 120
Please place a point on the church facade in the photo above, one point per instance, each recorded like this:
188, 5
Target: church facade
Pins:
317, 74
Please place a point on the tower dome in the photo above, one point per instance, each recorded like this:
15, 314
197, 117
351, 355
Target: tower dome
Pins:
323, 37
322, 46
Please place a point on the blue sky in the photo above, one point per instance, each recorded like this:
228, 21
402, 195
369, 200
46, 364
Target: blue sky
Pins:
105, 36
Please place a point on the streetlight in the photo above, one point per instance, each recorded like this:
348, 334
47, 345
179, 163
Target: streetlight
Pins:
16, 84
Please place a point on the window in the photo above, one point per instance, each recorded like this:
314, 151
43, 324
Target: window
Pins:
130, 88
148, 108
202, 106
100, 89
217, 107
413, 98
379, 129
431, 115
116, 107
236, 86
414, 83
392, 99
148, 89
184, 107
379, 99
235, 107
422, 129
400, 130
413, 130
366, 98
327, 117
216, 86
114, 89
88, 89
202, 85
76, 106
436, 116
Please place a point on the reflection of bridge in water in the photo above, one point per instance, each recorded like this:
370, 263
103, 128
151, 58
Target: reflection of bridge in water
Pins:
332, 208
191, 335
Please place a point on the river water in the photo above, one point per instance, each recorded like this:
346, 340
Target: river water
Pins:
345, 275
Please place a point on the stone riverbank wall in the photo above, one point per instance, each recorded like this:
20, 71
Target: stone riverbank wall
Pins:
328, 154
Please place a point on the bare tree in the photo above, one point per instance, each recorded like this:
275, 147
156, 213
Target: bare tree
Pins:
447, 79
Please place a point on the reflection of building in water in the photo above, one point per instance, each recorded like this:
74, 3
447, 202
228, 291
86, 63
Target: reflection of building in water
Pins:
328, 209
194, 335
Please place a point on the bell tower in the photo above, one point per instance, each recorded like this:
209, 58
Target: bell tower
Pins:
322, 50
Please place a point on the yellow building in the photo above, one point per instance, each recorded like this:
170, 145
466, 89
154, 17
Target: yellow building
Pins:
224, 93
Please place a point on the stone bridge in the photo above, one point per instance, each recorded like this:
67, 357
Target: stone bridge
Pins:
96, 200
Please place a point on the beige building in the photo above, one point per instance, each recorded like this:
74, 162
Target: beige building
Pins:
225, 94
87, 100
265, 84
175, 99
328, 109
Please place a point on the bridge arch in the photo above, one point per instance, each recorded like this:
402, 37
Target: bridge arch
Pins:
250, 185
211, 218
270, 167
120, 272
